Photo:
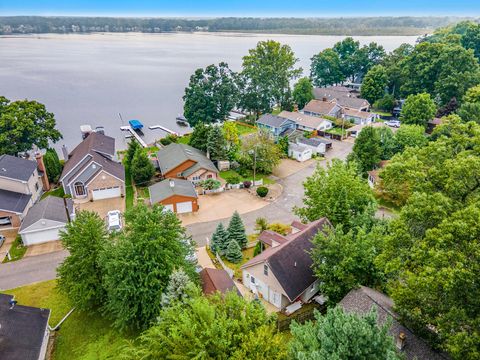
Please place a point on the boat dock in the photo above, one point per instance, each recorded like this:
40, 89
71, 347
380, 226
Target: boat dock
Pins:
135, 135
164, 129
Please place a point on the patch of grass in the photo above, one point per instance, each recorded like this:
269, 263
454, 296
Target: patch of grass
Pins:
229, 173
244, 129
388, 204
247, 255
276, 111
129, 195
17, 250
142, 192
185, 139
336, 131
58, 192
82, 336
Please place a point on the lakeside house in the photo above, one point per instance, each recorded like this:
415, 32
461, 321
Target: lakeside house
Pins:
176, 195
343, 96
275, 124
306, 122
322, 108
359, 117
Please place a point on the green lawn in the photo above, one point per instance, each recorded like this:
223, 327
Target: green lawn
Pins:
82, 336
244, 129
128, 189
16, 251
143, 192
229, 173
247, 255
185, 139
336, 131
58, 192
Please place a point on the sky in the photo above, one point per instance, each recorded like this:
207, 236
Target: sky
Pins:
258, 8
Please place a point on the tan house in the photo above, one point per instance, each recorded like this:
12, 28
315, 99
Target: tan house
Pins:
323, 108
282, 274
91, 171
180, 161
176, 195
21, 184
343, 96
306, 122
359, 117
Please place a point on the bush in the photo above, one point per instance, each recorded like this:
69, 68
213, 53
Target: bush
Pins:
387, 103
258, 248
247, 184
262, 191
210, 184
234, 179
165, 141
280, 228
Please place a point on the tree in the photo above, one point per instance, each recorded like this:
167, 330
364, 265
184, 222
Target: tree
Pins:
393, 63
374, 84
199, 137
266, 75
53, 166
386, 103
210, 95
210, 184
410, 135
236, 231
80, 274
418, 110
261, 224
233, 252
230, 131
139, 265
24, 124
303, 92
472, 95
388, 143
259, 152
346, 50
325, 69
142, 168
283, 144
179, 289
339, 194
132, 148
470, 112
219, 240
341, 335
343, 261
448, 109
216, 144
366, 150
213, 327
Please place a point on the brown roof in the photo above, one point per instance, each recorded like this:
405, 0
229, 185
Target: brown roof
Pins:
216, 280
290, 262
267, 236
320, 107
299, 225
361, 300
358, 113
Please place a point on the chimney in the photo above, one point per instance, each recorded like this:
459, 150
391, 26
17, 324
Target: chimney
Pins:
64, 152
172, 183
295, 108
400, 341
41, 167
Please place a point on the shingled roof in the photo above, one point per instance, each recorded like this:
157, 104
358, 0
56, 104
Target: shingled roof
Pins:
291, 262
16, 168
169, 187
175, 154
51, 208
273, 120
13, 202
214, 280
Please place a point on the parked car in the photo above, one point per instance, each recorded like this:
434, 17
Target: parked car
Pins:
114, 221
393, 123
2, 240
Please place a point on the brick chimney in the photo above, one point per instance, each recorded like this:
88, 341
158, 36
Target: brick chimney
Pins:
41, 167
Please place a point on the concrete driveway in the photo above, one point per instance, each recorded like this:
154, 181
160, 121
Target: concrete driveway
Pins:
289, 167
102, 207
46, 248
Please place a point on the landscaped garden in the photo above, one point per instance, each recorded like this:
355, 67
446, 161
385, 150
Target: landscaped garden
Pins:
247, 176
17, 250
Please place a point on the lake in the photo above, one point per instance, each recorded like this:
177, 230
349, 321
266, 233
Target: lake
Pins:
92, 78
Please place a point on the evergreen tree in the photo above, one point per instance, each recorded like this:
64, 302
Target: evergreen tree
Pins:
199, 136
366, 150
216, 144
234, 253
236, 231
52, 165
133, 146
179, 289
142, 169
219, 240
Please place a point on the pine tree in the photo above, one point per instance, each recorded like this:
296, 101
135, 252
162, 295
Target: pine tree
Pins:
219, 240
141, 168
52, 165
216, 144
133, 146
236, 231
234, 253
179, 288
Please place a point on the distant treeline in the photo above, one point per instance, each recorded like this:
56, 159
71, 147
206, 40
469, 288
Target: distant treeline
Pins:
327, 26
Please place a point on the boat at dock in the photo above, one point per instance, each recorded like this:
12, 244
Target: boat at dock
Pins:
181, 120
136, 125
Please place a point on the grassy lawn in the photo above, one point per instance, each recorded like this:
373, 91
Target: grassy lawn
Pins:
336, 131
128, 189
16, 251
229, 173
185, 139
244, 129
58, 192
82, 336
387, 204
247, 255
142, 192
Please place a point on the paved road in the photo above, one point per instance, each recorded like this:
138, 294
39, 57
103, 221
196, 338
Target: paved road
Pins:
43, 267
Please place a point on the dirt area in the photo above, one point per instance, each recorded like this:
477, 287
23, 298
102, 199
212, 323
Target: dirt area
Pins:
10, 234
102, 207
45, 248
288, 167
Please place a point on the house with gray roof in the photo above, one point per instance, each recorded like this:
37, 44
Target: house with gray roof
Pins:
317, 145
45, 220
275, 125
180, 161
322, 108
177, 195
91, 171
343, 96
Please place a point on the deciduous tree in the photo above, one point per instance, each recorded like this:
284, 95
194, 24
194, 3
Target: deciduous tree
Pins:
199, 136
374, 84
259, 151
366, 150
326, 68
418, 110
303, 92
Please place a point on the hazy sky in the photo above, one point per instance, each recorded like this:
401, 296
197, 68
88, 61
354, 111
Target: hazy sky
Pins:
264, 8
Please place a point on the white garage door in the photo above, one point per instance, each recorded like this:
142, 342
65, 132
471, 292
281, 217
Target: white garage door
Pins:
39, 237
99, 194
184, 207
168, 207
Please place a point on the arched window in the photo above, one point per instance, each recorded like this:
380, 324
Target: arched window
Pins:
79, 188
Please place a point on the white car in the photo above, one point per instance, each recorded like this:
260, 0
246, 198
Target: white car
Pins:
114, 221
393, 123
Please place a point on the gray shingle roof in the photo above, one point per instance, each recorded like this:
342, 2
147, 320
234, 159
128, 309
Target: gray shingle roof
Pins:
22, 331
50, 208
312, 141
16, 168
162, 190
13, 202
273, 120
361, 300
175, 154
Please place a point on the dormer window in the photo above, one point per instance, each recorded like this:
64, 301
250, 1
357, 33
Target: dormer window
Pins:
79, 188
265, 270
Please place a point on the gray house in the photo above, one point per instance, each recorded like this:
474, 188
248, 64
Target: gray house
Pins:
276, 125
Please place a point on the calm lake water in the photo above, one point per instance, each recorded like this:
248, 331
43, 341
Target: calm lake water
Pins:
90, 79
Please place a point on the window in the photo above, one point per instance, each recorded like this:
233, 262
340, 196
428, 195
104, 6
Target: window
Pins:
79, 189
209, 176
196, 178
265, 270
36, 186
252, 280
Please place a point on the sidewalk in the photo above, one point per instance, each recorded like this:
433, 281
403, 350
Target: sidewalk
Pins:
203, 259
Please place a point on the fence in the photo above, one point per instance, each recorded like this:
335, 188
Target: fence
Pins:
215, 191
225, 267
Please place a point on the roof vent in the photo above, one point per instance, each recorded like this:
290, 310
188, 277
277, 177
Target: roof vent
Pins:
401, 339
295, 264
172, 183
4, 170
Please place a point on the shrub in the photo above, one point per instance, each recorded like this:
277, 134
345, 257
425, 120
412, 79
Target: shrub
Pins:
247, 184
210, 184
258, 248
387, 103
262, 191
165, 141
234, 179
280, 228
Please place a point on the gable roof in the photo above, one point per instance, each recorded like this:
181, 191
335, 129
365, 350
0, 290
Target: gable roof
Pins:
268, 236
290, 262
173, 155
343, 96
50, 208
23, 330
314, 141
163, 190
361, 300
216, 280
13, 202
358, 113
352, 102
320, 107
273, 120
16, 168
304, 120
298, 148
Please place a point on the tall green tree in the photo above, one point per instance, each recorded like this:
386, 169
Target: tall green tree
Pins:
470, 112
266, 74
388, 144
132, 148
232, 137
374, 84
53, 166
80, 274
142, 168
418, 110
303, 92
236, 231
199, 137
179, 289
216, 144
366, 150
339, 194
219, 240
233, 252
410, 135
23, 124
393, 64
259, 152
347, 49
139, 265
211, 94
472, 95
340, 335
325, 69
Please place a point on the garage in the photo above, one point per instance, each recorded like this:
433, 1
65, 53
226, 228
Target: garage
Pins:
184, 207
106, 193
41, 236
168, 207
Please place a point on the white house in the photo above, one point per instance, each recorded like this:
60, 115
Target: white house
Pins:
317, 145
306, 122
359, 117
298, 152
